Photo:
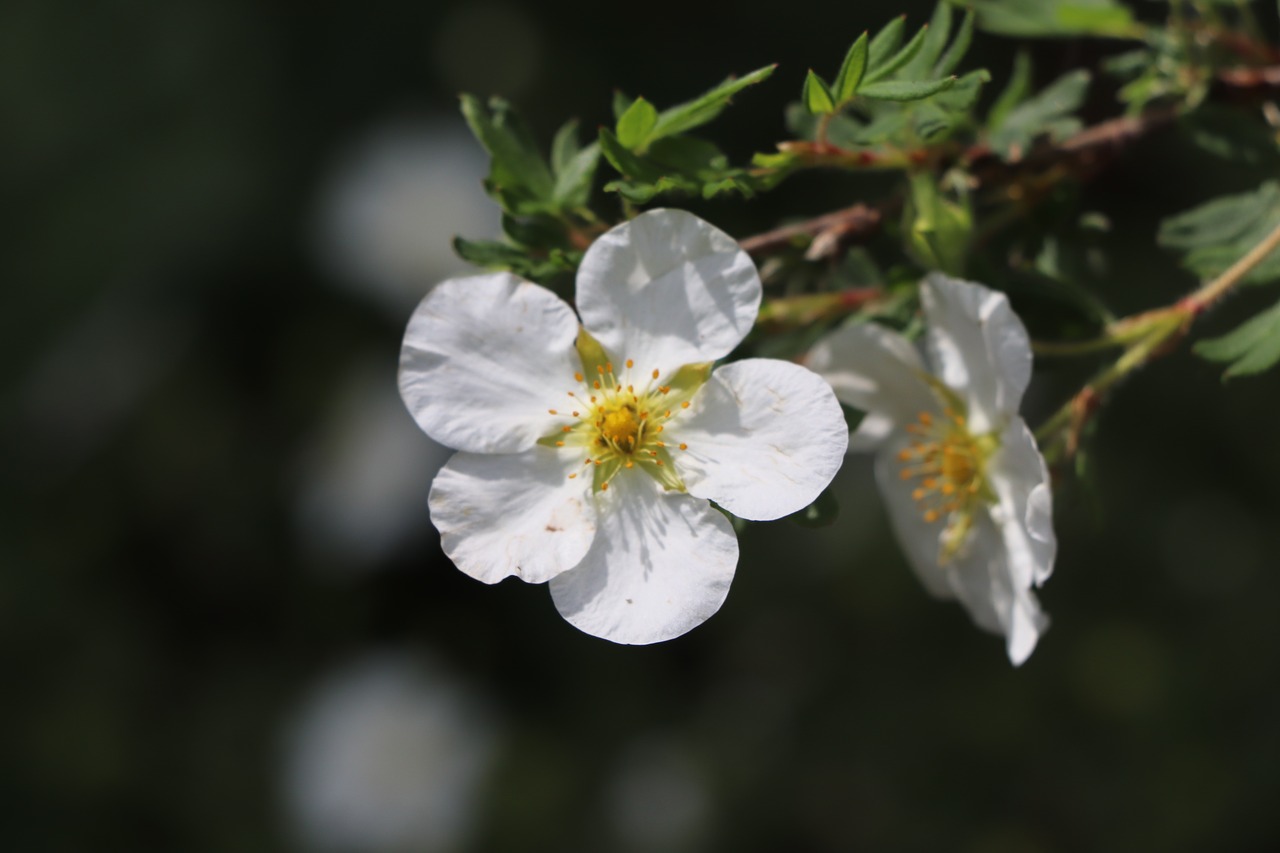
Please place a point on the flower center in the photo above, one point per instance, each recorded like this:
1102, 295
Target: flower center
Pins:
949, 464
620, 424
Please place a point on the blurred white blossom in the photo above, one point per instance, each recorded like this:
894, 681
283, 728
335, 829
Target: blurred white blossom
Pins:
387, 755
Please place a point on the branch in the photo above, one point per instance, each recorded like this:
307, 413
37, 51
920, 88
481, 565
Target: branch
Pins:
847, 224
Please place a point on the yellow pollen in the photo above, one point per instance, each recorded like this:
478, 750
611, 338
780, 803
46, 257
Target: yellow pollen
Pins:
593, 399
551, 411
578, 376
566, 429
604, 487
630, 464
684, 447
685, 404
573, 475
600, 369
608, 367
559, 444
665, 389
596, 384
631, 389
658, 463
662, 444
630, 363
659, 428
575, 414
655, 374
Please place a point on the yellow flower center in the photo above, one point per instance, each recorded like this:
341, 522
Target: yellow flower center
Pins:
949, 464
621, 415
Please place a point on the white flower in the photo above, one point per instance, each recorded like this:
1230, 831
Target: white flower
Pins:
967, 490
587, 454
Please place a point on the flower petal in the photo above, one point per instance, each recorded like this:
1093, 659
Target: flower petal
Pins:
514, 514
982, 576
764, 438
1021, 481
979, 347
877, 371
482, 359
667, 289
660, 565
984, 581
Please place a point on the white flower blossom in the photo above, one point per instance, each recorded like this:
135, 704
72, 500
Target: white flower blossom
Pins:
967, 489
588, 454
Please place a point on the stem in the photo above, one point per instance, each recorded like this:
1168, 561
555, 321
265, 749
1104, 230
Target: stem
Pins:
1205, 297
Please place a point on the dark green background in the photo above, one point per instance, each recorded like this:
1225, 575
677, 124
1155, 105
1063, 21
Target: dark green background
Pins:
172, 347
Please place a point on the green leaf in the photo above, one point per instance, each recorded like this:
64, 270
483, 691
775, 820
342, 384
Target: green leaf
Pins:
905, 90
886, 41
705, 107
620, 103
1052, 18
816, 95
936, 39
624, 160
564, 146
951, 59
573, 181
636, 124
899, 59
1014, 93
535, 232
515, 164
1216, 234
936, 228
851, 71
1049, 113
1251, 348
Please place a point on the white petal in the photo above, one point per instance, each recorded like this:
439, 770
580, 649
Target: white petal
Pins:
483, 358
877, 371
667, 289
981, 576
764, 438
661, 565
514, 514
979, 347
983, 579
1020, 479
921, 541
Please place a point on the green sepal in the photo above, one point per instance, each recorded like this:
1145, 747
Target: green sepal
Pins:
686, 382
665, 473
851, 71
816, 96
592, 354
937, 229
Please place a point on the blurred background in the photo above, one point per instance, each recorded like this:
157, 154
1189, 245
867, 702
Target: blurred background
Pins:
225, 621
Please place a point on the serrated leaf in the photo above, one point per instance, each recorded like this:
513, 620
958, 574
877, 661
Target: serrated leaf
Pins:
636, 124
706, 106
515, 164
816, 96
1251, 348
1014, 93
886, 41
851, 71
1049, 113
905, 90
884, 69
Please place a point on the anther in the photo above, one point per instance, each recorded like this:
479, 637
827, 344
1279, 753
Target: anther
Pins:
931, 516
608, 367
573, 476
630, 363
600, 369
575, 414
566, 429
559, 444
685, 404
630, 464
604, 487
577, 376
596, 385
655, 374
684, 446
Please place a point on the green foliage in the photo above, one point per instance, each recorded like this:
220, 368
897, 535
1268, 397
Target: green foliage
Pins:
851, 71
1216, 234
1251, 348
502, 256
653, 157
817, 97
1015, 120
1052, 18
937, 229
